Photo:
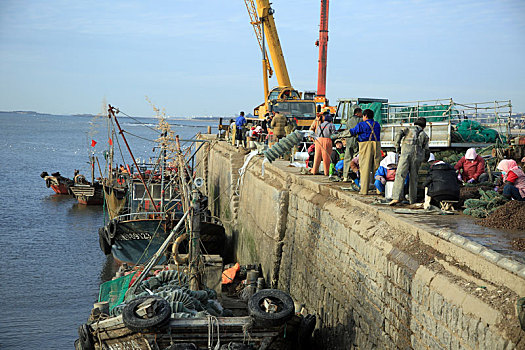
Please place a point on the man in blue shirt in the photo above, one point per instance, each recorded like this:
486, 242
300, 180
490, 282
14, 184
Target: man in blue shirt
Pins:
240, 133
368, 135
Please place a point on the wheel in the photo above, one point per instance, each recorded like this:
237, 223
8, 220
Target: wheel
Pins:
284, 302
48, 182
161, 317
105, 246
85, 339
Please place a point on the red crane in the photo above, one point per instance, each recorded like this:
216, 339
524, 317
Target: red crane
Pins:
323, 48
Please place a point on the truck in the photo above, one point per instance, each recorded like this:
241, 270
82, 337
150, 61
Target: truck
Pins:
450, 124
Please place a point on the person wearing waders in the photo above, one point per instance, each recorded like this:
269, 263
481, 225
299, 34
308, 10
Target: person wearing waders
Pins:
240, 123
413, 142
350, 141
368, 132
323, 129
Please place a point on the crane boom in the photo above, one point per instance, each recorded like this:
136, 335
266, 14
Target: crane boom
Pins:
323, 50
265, 13
257, 28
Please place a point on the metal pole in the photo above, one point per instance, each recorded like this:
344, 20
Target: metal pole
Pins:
121, 132
163, 167
194, 242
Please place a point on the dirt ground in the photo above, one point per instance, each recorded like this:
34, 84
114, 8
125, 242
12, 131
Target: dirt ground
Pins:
510, 216
518, 244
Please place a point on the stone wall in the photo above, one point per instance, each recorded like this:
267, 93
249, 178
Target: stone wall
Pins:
374, 279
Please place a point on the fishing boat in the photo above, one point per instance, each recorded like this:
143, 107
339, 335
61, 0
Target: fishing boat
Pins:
175, 300
87, 193
143, 204
57, 182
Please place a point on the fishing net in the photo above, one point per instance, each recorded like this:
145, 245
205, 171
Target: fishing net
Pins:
472, 131
483, 207
115, 290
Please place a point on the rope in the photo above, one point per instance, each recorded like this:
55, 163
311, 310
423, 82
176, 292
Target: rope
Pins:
211, 335
138, 121
139, 137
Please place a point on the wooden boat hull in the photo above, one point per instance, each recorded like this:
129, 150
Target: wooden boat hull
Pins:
87, 194
62, 188
112, 334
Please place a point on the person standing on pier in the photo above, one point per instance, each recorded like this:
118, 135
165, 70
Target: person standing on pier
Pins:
240, 123
278, 125
350, 141
323, 129
368, 134
413, 142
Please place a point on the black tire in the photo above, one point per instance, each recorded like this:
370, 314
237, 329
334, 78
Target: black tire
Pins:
284, 312
138, 324
85, 339
105, 246
112, 229
48, 182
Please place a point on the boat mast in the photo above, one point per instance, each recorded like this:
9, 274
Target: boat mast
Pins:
163, 160
121, 132
195, 241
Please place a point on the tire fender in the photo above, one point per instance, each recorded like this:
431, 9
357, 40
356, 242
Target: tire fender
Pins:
285, 310
85, 338
103, 240
112, 229
135, 323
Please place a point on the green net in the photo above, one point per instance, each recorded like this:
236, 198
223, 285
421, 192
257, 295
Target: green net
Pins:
483, 207
472, 131
115, 290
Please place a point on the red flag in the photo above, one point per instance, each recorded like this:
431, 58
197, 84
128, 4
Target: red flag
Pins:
110, 142
93, 143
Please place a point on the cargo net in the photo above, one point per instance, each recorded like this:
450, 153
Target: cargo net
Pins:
114, 291
472, 131
483, 207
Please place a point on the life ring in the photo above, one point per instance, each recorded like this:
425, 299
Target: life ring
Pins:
175, 250
79, 179
284, 302
135, 323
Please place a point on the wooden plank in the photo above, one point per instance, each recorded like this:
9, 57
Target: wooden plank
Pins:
223, 321
110, 322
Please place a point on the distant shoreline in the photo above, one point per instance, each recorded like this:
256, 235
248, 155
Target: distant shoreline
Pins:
37, 114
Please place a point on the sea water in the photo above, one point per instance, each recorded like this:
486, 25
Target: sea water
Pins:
51, 265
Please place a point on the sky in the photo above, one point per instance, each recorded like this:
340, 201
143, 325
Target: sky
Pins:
201, 58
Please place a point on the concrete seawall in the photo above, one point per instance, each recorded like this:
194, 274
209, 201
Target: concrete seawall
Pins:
375, 279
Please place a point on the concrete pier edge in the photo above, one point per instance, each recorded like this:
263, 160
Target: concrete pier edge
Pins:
383, 295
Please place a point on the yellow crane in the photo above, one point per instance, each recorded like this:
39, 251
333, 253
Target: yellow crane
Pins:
283, 98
